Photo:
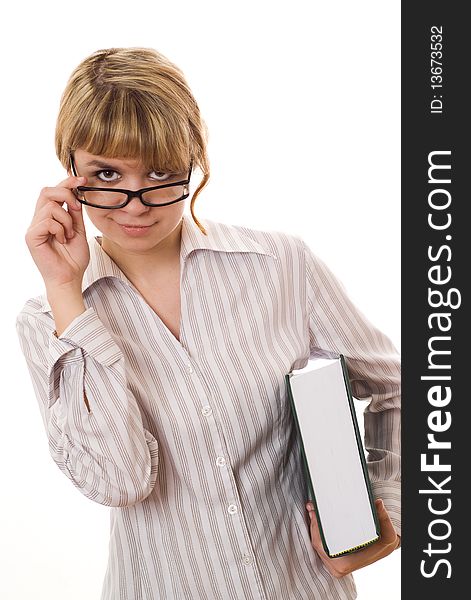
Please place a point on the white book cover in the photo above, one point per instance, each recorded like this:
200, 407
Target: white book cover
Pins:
333, 455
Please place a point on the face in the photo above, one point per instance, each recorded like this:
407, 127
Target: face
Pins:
157, 223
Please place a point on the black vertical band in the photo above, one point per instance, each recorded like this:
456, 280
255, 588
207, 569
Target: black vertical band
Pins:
436, 267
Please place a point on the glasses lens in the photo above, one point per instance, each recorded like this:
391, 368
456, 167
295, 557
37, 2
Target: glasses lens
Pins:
162, 196
110, 199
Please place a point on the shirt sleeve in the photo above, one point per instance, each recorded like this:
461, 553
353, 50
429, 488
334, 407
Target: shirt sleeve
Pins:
92, 420
336, 326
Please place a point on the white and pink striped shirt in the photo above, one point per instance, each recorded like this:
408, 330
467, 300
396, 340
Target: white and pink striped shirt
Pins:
192, 443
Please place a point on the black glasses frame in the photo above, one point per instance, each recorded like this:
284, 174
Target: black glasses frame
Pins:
130, 193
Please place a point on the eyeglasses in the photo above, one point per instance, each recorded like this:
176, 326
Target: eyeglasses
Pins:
157, 195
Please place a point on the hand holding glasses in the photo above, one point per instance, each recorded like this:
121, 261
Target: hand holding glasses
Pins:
56, 237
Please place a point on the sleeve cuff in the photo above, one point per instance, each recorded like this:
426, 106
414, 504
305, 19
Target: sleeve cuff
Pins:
87, 332
390, 493
85, 335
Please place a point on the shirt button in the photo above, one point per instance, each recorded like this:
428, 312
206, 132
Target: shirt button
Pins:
220, 461
190, 368
247, 559
232, 509
206, 410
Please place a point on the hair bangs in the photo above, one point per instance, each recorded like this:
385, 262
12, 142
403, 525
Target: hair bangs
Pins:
129, 125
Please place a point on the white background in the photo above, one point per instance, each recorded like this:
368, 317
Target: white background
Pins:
302, 101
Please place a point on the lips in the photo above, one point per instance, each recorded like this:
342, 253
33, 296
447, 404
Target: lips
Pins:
136, 230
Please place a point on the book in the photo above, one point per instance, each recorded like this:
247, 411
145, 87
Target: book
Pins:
333, 456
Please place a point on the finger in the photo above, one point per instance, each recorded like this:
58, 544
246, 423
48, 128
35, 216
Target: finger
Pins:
72, 182
62, 193
39, 233
76, 215
315, 533
77, 219
65, 218
388, 533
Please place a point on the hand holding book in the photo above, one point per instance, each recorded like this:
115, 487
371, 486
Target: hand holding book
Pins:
343, 565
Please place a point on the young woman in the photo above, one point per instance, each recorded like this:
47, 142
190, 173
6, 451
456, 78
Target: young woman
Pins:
159, 351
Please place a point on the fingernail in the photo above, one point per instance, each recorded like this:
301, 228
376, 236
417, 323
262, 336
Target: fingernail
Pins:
309, 507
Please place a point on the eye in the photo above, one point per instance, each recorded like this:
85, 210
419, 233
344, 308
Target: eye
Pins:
161, 176
105, 177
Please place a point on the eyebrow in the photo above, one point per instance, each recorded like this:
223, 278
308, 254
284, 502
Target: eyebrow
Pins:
98, 163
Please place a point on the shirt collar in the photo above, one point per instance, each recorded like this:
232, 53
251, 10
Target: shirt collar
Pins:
221, 237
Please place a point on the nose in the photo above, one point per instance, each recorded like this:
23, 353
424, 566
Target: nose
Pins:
136, 207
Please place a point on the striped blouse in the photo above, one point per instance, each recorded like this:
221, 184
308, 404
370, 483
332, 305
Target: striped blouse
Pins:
191, 442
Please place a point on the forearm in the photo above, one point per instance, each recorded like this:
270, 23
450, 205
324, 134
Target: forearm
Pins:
103, 447
66, 304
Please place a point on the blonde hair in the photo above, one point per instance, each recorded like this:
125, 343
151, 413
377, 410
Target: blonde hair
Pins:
133, 103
